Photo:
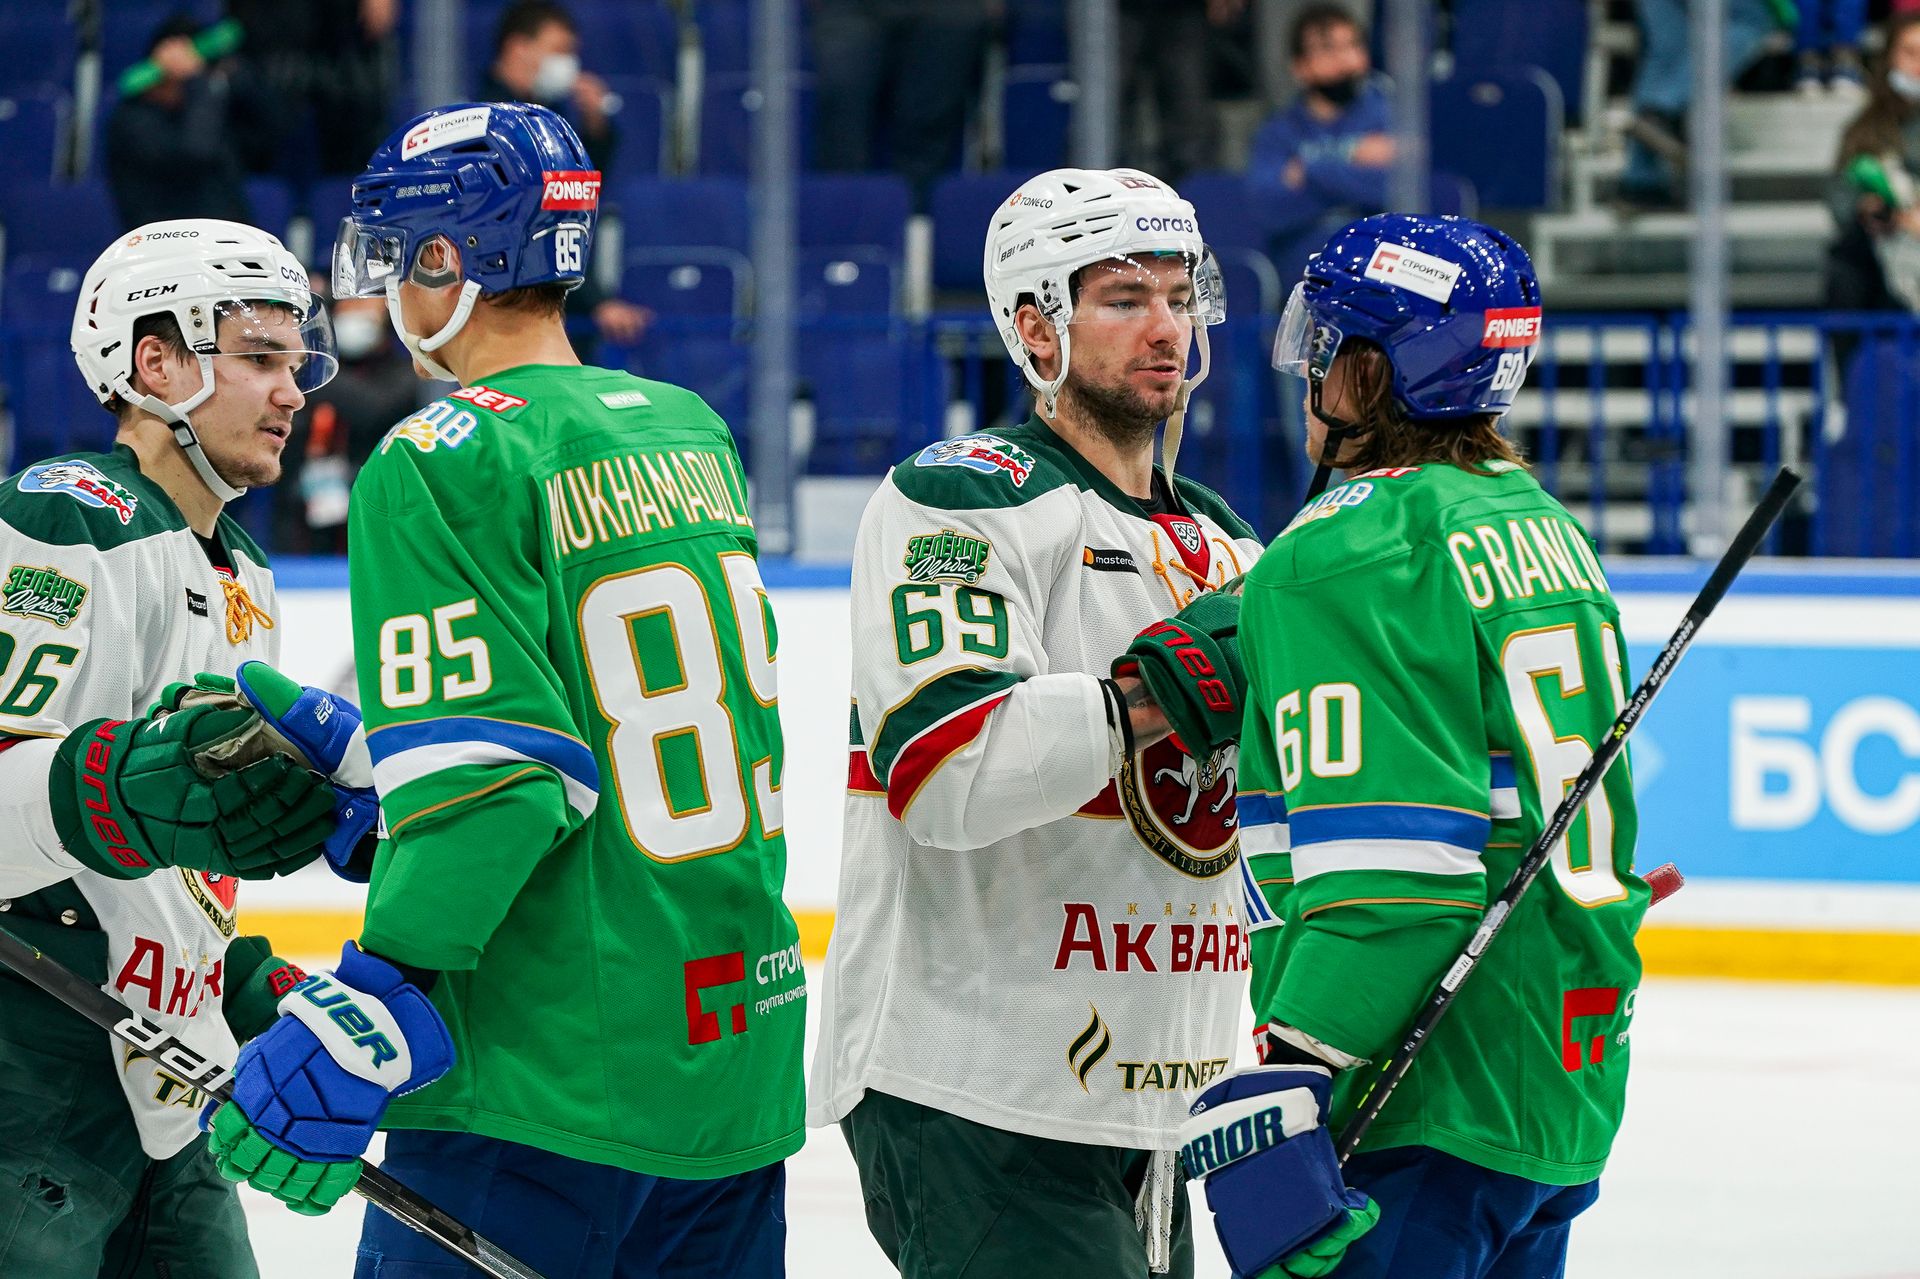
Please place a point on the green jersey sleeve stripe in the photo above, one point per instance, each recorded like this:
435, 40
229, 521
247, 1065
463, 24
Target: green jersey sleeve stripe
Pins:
413, 751
934, 702
1417, 856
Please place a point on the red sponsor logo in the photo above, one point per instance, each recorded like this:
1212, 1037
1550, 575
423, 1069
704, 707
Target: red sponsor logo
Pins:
487, 398
703, 1027
284, 978
225, 888
571, 189
1591, 1001
1384, 259
1512, 326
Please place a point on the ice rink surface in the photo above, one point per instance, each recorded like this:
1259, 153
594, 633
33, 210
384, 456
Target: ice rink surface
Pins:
1773, 1132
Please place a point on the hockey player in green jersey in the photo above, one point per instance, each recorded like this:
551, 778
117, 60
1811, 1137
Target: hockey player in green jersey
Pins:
1432, 652
567, 661
1040, 946
123, 574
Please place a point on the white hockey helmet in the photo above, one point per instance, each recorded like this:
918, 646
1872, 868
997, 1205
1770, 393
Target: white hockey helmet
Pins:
200, 271
1067, 219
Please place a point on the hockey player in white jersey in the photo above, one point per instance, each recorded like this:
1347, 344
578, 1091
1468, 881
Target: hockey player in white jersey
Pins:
118, 859
1039, 950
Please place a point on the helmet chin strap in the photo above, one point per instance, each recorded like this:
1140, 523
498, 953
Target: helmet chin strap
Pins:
420, 348
1050, 388
1338, 431
1177, 420
175, 416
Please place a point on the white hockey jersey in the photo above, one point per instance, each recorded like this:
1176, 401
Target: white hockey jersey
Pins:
107, 597
1031, 934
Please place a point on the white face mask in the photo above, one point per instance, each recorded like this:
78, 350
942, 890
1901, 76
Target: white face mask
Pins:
556, 76
357, 336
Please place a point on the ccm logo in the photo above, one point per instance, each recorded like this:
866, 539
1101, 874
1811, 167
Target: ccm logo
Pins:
1512, 326
571, 189
1213, 690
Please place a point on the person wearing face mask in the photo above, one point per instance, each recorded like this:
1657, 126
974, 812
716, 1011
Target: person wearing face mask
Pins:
536, 58
1873, 263
341, 426
1325, 158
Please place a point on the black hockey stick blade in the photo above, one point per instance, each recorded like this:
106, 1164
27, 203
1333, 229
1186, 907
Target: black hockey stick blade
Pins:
375, 1186
1745, 542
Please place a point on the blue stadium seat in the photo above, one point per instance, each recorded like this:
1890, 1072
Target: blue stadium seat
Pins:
1036, 114
39, 46
628, 37
962, 205
726, 36
270, 201
57, 217
483, 22
688, 281
728, 107
1451, 193
641, 141
661, 212
1036, 33
41, 288
1501, 132
30, 130
1866, 477
853, 208
1492, 36
849, 280
861, 387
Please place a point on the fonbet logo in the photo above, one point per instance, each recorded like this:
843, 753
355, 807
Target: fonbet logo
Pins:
1511, 326
576, 189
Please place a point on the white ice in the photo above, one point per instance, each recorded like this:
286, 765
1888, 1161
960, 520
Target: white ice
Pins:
1773, 1132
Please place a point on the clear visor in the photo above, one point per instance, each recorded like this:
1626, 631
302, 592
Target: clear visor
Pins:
364, 260
272, 338
1135, 288
1302, 344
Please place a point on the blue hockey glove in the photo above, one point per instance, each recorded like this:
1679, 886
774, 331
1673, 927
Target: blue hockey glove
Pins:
1259, 1139
325, 728
320, 730
316, 1083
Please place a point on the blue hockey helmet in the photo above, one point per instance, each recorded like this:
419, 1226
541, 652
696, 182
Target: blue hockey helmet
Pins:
508, 184
1454, 304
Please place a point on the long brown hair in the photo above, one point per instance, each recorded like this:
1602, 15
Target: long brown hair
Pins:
1396, 439
1876, 130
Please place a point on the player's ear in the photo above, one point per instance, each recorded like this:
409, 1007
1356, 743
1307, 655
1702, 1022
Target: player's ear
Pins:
1038, 334
157, 371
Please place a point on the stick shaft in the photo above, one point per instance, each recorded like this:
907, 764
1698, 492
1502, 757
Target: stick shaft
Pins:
114, 1017
1441, 1000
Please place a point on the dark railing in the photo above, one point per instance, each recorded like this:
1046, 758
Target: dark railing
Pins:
1604, 414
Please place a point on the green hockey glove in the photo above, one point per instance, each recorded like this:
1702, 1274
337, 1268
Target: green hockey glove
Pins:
1191, 664
127, 797
257, 980
240, 1153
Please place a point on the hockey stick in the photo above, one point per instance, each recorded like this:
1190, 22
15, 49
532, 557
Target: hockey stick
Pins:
1744, 544
375, 1186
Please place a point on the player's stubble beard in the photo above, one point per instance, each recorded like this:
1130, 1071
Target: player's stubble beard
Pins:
1117, 411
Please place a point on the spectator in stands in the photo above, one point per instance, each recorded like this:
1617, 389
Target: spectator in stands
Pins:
1324, 160
1828, 43
536, 58
322, 74
339, 428
1874, 261
1165, 58
172, 151
1663, 91
897, 79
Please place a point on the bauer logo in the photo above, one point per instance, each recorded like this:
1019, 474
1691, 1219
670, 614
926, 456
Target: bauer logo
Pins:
1408, 268
444, 130
577, 189
1512, 326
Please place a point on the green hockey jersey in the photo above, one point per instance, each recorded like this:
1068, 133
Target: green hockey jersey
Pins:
566, 660
1432, 656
